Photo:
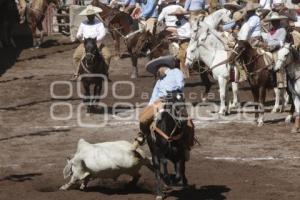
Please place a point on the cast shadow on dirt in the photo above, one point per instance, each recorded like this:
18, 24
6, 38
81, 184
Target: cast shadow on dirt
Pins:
124, 190
20, 177
209, 192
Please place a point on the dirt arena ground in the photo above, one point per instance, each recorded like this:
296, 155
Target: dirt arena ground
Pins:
236, 159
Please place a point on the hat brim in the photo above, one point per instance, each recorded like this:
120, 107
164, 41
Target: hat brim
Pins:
95, 10
176, 13
155, 64
276, 19
232, 6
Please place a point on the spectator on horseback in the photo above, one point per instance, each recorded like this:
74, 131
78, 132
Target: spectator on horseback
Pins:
146, 12
275, 40
90, 28
170, 78
196, 8
251, 29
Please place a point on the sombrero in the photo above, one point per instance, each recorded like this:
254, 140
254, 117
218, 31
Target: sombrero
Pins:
251, 7
155, 64
90, 10
232, 6
275, 16
179, 12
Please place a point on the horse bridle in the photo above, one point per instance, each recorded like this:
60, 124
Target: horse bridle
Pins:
85, 65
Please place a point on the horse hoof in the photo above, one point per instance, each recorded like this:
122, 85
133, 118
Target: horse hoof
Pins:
159, 198
288, 119
133, 76
260, 124
295, 130
275, 110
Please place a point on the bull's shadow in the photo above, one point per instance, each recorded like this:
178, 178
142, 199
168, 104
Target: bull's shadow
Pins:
209, 192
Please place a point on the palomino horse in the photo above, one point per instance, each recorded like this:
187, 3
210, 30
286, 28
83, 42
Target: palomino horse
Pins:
206, 46
168, 142
93, 72
119, 23
259, 76
35, 14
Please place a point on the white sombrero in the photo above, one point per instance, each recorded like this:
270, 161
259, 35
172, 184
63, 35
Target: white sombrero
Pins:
275, 16
153, 65
90, 10
232, 5
251, 7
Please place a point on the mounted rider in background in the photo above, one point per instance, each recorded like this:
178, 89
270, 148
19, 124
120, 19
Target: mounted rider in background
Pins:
90, 28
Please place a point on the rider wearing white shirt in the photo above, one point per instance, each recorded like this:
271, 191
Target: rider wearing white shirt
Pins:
169, 20
90, 28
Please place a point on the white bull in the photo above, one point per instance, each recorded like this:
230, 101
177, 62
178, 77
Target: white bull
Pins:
104, 160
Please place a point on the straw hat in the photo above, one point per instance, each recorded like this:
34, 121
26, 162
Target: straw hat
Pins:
238, 15
278, 1
155, 64
179, 12
232, 6
252, 6
90, 10
275, 16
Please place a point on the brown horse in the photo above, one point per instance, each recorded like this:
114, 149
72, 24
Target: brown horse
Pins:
157, 44
260, 78
119, 23
35, 14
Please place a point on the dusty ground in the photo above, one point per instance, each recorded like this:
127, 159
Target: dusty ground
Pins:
236, 159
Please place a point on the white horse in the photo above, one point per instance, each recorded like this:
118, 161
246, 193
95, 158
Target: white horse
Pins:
292, 67
206, 45
214, 19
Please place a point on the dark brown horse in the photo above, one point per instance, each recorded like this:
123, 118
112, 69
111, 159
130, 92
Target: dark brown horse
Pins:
138, 44
35, 14
93, 73
260, 78
119, 23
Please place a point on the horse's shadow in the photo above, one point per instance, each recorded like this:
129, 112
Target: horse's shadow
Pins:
209, 192
124, 190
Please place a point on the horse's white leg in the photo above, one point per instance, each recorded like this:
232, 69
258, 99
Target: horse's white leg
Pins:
282, 97
286, 98
235, 102
223, 92
277, 100
296, 128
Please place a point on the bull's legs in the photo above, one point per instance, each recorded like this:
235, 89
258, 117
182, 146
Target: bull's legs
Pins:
69, 184
84, 183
